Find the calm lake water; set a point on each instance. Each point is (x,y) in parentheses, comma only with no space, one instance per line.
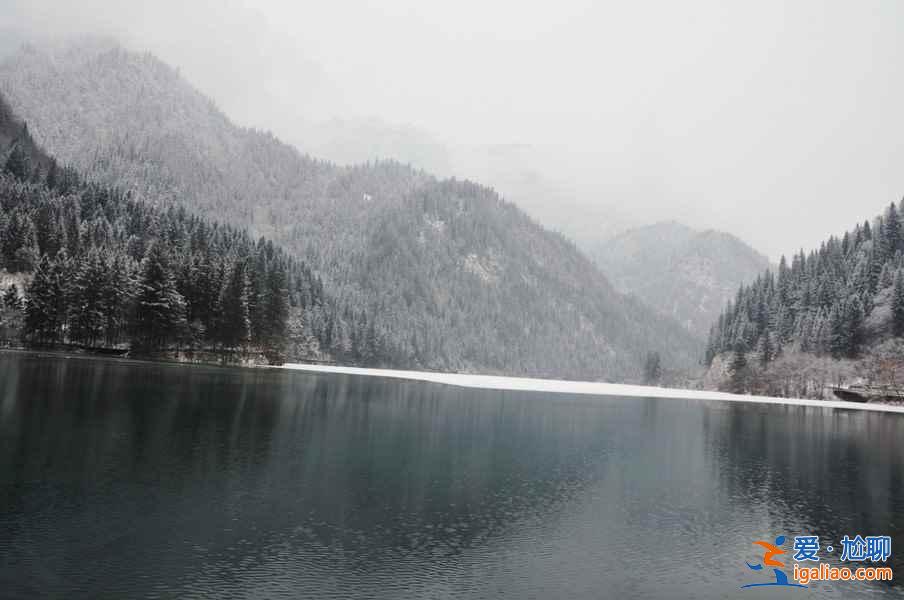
(150,481)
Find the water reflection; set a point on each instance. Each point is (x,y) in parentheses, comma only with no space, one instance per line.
(818,471)
(164,481)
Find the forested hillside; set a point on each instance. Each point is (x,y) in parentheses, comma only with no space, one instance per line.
(679,271)
(457,278)
(106,271)
(844,301)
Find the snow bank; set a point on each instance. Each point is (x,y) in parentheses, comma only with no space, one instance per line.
(491,382)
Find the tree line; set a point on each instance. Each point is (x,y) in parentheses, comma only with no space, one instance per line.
(825,302)
(108,271)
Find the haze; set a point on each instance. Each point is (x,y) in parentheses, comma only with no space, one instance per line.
(778,122)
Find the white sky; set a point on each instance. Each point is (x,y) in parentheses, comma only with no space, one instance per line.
(777,121)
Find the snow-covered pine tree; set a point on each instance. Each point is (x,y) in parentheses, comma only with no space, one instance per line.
(892,230)
(11,298)
(897,304)
(160,308)
(18,163)
(234,325)
(87,306)
(45,308)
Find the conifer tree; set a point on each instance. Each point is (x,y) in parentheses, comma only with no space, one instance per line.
(11,299)
(276,311)
(373,348)
(892,230)
(897,305)
(18,163)
(652,368)
(159,308)
(45,307)
(119,292)
(234,325)
(88,309)
(740,373)
(767,349)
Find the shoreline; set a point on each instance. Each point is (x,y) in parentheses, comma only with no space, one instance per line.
(489,382)
(591,388)
(138,359)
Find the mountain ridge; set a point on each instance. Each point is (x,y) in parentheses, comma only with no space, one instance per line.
(680,271)
(462,279)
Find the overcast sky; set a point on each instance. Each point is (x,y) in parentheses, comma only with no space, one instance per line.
(779,122)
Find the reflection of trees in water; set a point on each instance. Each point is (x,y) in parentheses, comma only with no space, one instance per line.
(403,467)
(97,418)
(837,472)
(162,469)
(116,473)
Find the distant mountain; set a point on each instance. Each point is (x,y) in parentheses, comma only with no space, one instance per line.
(458,278)
(679,271)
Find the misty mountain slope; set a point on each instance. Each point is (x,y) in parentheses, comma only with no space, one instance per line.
(679,271)
(356,141)
(459,278)
(97,268)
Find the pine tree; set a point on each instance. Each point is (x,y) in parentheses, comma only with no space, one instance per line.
(119,292)
(11,299)
(767,349)
(18,245)
(257,273)
(892,230)
(652,368)
(206,286)
(897,304)
(18,163)
(855,316)
(159,308)
(373,350)
(87,306)
(839,340)
(234,327)
(45,305)
(740,372)
(276,311)
(885,278)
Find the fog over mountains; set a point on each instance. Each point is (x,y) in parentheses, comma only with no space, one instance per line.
(684,273)
(460,278)
(522,173)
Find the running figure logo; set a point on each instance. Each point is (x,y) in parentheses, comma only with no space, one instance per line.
(771,551)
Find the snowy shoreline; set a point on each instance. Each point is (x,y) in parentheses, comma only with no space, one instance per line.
(492,382)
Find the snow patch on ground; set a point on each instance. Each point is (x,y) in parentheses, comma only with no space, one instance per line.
(483,268)
(492,382)
(20,280)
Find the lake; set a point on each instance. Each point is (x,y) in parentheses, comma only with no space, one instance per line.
(121,479)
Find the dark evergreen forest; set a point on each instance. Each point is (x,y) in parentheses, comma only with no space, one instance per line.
(105,271)
(836,301)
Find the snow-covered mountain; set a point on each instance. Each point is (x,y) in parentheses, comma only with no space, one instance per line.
(460,278)
(679,271)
